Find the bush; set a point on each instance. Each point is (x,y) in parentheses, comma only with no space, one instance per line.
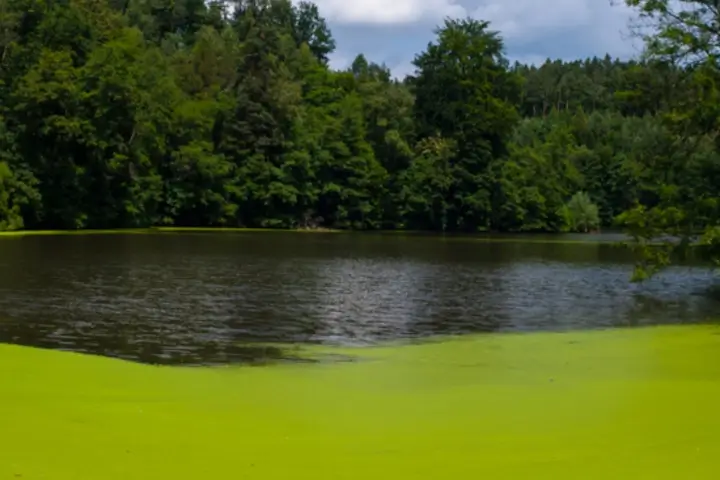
(580,214)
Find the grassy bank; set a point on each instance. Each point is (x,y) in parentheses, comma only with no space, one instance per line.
(597,405)
(20,233)
(557,238)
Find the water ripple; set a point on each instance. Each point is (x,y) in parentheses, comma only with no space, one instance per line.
(206,299)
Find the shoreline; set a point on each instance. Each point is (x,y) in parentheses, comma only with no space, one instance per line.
(151,230)
(482,237)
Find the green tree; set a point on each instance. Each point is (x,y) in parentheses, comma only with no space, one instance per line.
(118,113)
(580,214)
(465,92)
(684,34)
(426,186)
(310,28)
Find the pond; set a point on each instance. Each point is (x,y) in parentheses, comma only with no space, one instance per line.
(492,402)
(216,298)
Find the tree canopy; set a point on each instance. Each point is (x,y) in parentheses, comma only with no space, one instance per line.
(133,113)
(685,210)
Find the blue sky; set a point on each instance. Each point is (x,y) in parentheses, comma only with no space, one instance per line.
(393,31)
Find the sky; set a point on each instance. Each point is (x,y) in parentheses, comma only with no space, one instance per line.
(394,31)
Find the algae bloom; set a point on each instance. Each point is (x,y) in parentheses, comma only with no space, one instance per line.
(592,405)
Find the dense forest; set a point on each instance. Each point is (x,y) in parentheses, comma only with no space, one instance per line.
(133,113)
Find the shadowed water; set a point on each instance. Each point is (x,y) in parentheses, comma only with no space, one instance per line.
(217,298)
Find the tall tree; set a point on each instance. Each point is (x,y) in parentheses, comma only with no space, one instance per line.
(310,28)
(465,92)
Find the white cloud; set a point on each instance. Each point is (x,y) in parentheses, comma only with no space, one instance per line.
(393,31)
(402,69)
(388,12)
(526,20)
(339,61)
(564,29)
(615,37)
(519,18)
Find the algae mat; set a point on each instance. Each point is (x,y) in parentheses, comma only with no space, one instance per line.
(611,404)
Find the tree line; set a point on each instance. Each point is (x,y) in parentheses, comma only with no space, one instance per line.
(135,113)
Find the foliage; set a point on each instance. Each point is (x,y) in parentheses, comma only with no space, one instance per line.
(685,208)
(465,92)
(580,214)
(137,113)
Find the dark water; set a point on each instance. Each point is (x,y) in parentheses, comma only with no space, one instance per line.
(217,298)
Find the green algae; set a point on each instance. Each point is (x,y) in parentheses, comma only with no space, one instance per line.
(593,405)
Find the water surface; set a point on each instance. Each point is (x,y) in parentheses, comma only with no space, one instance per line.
(207,298)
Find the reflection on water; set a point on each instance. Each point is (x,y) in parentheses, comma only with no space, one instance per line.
(217,298)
